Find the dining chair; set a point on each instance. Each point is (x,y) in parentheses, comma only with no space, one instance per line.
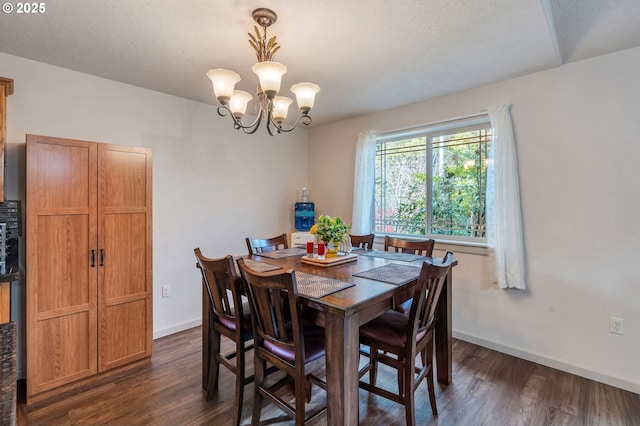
(420,247)
(364,242)
(403,245)
(285,341)
(228,317)
(260,245)
(396,340)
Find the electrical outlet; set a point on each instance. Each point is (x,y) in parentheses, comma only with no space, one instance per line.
(166,291)
(616,325)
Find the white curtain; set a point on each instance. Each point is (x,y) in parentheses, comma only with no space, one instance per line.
(364,184)
(504,218)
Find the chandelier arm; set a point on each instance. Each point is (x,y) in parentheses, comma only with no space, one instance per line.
(269,121)
(304,118)
(222,111)
(237,123)
(253,127)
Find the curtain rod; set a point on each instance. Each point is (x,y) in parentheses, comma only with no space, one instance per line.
(433,123)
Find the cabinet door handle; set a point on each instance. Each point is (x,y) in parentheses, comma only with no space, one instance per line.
(93,258)
(101,257)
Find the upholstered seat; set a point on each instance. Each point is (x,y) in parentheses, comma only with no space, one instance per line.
(231,324)
(404,307)
(314,346)
(390,327)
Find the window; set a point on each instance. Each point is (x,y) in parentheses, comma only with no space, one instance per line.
(432,181)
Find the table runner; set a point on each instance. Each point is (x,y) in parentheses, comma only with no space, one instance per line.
(316,286)
(391,255)
(260,266)
(279,254)
(392,273)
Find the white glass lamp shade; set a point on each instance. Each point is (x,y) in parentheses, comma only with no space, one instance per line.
(238,103)
(281,108)
(270,74)
(305,95)
(224,82)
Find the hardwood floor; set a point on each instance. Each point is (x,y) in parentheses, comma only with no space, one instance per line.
(489,388)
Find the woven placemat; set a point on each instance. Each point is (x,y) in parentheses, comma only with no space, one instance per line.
(260,266)
(392,273)
(391,255)
(316,287)
(279,254)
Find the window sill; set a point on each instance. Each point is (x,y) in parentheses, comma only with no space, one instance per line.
(479,249)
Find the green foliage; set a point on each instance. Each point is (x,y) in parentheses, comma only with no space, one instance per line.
(411,215)
(330,229)
(458,188)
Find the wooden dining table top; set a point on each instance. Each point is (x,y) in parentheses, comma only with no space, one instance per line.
(365,291)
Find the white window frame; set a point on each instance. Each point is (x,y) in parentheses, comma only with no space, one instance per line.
(430,131)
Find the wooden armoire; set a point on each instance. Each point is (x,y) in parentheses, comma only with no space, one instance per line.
(88,262)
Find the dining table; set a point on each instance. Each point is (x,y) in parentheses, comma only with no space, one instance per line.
(372,283)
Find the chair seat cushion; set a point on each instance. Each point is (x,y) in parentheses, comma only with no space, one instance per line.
(389,328)
(231,324)
(404,307)
(314,344)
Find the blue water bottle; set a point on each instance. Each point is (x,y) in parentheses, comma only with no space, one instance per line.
(304,213)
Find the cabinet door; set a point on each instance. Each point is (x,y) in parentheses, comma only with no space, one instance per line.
(61,284)
(124,239)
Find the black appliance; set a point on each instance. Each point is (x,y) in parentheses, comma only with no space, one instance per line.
(10,230)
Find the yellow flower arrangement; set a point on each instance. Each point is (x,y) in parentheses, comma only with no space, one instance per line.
(330,229)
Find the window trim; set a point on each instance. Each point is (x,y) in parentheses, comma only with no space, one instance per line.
(429,131)
(436,126)
(443,244)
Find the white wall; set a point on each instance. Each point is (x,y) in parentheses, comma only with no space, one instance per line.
(577,130)
(212,186)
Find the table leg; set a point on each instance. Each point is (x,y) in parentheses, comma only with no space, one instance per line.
(443,333)
(342,370)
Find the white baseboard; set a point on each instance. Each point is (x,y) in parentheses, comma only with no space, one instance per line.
(558,364)
(177,328)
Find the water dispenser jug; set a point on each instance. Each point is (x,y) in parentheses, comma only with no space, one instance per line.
(304,213)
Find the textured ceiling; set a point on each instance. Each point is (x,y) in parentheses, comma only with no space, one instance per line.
(366,55)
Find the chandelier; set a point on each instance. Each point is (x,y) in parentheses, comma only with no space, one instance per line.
(271,108)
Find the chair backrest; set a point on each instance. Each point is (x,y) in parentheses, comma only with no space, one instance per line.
(421,247)
(426,295)
(218,276)
(273,299)
(362,241)
(260,245)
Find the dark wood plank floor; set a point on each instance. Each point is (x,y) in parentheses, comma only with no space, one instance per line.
(489,388)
